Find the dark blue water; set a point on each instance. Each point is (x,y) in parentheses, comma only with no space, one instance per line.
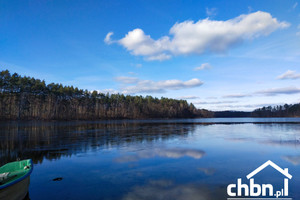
(152,159)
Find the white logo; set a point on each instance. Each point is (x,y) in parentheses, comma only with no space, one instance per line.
(236,191)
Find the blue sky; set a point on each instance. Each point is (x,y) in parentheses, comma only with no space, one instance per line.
(219,55)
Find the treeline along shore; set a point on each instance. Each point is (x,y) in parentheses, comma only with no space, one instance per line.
(27,98)
(285,110)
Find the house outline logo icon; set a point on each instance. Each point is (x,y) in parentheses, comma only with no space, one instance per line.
(244,191)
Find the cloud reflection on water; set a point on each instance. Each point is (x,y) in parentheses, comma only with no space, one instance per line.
(167,189)
(54,140)
(162,152)
(207,171)
(295,160)
(271,142)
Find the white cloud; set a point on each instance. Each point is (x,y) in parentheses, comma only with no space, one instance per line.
(211,97)
(250,9)
(214,102)
(132,73)
(202,67)
(107,38)
(210,12)
(250,105)
(289,74)
(160,57)
(266,92)
(148,86)
(236,96)
(188,97)
(298,33)
(140,44)
(110,91)
(199,37)
(276,91)
(295,5)
(241,107)
(138,65)
(126,79)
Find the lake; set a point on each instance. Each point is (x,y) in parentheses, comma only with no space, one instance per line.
(183,159)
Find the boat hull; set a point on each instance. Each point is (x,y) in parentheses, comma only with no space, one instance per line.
(16,191)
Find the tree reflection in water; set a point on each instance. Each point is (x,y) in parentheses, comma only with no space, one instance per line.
(52,140)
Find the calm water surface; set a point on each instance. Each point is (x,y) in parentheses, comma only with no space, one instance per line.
(152,159)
